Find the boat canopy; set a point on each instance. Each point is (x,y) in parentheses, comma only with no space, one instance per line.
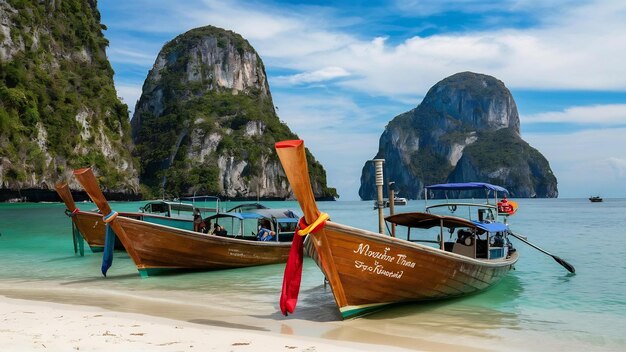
(491,226)
(240,216)
(276,213)
(247,207)
(466,186)
(281,215)
(199,198)
(427,220)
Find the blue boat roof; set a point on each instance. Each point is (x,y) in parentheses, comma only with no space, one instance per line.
(467,186)
(491,227)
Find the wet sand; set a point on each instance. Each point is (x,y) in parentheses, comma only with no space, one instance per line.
(53,317)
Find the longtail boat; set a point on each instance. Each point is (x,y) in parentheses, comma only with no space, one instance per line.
(156,248)
(86,225)
(368,271)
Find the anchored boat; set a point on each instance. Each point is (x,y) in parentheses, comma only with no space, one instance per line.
(368,271)
(156,248)
(88,225)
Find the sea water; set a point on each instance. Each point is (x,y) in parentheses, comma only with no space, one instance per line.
(538,306)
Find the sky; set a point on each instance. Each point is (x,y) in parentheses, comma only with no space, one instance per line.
(339,71)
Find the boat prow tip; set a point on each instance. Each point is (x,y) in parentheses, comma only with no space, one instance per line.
(289,144)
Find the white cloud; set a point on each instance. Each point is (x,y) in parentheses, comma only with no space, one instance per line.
(618,165)
(121,53)
(324,74)
(340,134)
(606,115)
(588,161)
(574,47)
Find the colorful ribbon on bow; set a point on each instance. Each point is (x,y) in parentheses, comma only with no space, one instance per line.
(293,270)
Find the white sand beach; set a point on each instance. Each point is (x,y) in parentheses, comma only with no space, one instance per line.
(43,326)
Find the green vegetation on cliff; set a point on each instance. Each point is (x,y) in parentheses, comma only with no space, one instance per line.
(193,85)
(58,69)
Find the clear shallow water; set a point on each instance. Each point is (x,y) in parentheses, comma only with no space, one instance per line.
(539,306)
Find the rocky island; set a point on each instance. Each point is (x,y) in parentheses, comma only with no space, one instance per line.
(467,128)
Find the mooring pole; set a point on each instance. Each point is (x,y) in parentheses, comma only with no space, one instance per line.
(392,200)
(378,164)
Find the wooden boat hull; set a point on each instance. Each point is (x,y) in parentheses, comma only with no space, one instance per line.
(368,271)
(157,248)
(93,229)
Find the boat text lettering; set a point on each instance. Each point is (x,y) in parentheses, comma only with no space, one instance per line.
(365,250)
(378,269)
(403,261)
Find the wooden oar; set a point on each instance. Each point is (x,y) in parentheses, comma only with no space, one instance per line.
(565,264)
(293,158)
(66,196)
(90,184)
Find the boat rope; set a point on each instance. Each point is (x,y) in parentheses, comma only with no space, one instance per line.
(317,225)
(71,213)
(112,215)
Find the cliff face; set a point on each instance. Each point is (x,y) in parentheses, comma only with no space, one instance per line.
(466,129)
(58,106)
(206,123)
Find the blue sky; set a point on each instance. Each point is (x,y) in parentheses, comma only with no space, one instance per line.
(340,71)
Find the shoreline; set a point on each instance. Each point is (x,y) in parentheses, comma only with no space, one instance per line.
(61,319)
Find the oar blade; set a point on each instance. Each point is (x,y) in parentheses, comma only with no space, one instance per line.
(565,264)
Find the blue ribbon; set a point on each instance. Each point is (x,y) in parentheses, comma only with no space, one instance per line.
(78,240)
(109,245)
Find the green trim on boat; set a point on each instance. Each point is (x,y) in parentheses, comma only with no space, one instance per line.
(355,311)
(146,272)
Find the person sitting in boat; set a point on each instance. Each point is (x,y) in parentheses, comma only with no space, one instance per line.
(197,220)
(265,234)
(206,227)
(218,230)
(465,237)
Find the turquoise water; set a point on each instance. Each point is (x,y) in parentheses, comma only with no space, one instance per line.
(539,306)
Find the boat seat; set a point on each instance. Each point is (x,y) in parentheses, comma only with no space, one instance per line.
(462,249)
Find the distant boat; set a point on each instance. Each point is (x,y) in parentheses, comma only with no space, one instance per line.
(595,199)
(396,202)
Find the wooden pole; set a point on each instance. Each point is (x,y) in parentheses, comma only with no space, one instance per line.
(392,200)
(378,164)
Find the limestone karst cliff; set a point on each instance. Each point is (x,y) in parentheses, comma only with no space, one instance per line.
(467,128)
(58,106)
(206,123)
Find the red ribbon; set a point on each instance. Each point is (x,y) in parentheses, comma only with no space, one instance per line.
(293,270)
